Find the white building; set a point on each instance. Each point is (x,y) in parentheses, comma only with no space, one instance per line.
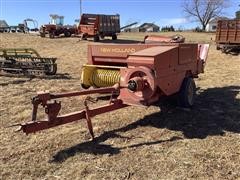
(212,25)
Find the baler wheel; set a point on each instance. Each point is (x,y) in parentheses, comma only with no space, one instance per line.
(187,93)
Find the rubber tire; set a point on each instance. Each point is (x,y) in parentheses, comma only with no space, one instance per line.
(51,35)
(67,34)
(187,93)
(42,34)
(85,86)
(102,37)
(52,69)
(114,37)
(96,38)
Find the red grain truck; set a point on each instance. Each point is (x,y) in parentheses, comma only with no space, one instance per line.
(228,35)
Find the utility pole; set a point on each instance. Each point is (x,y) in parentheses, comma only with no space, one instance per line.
(80,8)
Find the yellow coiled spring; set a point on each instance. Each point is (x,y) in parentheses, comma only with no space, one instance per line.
(105,77)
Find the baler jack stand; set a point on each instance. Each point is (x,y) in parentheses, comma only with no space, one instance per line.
(52,109)
(88,118)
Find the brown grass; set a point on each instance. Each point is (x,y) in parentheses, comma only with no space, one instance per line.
(134,142)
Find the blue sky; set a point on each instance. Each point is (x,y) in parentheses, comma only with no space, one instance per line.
(162,12)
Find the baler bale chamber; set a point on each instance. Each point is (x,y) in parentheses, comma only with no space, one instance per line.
(163,67)
(133,74)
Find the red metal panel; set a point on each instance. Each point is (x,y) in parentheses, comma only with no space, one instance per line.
(187,53)
(171,84)
(113,53)
(148,57)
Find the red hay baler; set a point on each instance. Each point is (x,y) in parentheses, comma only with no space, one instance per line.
(139,74)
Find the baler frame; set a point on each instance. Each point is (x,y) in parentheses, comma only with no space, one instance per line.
(52,108)
(148,72)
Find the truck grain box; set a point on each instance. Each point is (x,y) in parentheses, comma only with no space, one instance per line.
(98,26)
(228,35)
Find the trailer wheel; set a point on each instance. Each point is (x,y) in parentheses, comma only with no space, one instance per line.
(187,93)
(96,38)
(114,37)
(102,36)
(84,36)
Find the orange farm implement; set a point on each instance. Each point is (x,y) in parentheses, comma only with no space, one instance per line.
(133,74)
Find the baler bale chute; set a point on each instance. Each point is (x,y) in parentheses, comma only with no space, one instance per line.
(133,74)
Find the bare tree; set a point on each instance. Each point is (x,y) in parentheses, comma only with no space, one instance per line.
(204,10)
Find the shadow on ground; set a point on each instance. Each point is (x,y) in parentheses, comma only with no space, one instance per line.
(56,76)
(216,110)
(118,41)
(31,77)
(106,40)
(20,81)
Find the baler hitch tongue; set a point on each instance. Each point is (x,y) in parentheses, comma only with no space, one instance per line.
(52,109)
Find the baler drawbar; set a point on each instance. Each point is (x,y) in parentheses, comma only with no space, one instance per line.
(133,74)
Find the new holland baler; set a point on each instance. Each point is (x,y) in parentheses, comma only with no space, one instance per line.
(133,74)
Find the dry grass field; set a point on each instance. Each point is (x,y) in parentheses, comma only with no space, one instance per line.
(131,143)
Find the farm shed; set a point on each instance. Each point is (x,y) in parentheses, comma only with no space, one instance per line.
(3,25)
(149,27)
(145,27)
